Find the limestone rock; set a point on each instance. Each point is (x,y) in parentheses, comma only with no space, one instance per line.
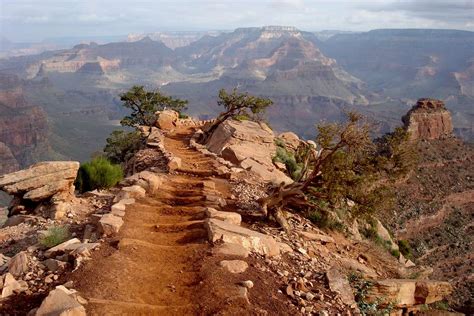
(174,163)
(134,191)
(272,175)
(41,181)
(354,265)
(229,249)
(407,292)
(249,145)
(317,237)
(234,266)
(12,286)
(167,119)
(249,239)
(61,247)
(383,233)
(230,217)
(110,224)
(428,291)
(428,119)
(339,283)
(18,265)
(290,139)
(60,303)
(54,265)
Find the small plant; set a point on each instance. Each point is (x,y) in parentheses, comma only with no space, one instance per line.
(361,289)
(99,173)
(441,305)
(405,249)
(395,253)
(324,221)
(54,236)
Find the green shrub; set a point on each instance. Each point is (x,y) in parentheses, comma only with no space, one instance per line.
(405,248)
(395,253)
(54,236)
(292,166)
(322,220)
(122,145)
(99,173)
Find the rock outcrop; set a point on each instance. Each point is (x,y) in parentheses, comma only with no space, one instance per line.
(249,145)
(428,119)
(43,184)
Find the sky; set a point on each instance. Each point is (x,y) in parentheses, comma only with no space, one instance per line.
(35,20)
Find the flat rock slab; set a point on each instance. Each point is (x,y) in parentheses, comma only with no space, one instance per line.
(249,239)
(317,237)
(61,247)
(230,217)
(41,180)
(234,266)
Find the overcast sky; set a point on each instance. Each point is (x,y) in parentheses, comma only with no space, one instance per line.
(34,20)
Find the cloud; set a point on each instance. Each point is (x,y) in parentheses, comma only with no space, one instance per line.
(287,4)
(455,12)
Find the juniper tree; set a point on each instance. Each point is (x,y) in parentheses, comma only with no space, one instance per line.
(237,104)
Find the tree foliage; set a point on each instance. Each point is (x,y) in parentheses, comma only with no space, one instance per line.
(347,167)
(236,104)
(144,104)
(122,145)
(99,173)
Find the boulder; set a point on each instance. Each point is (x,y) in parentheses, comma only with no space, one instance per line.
(272,175)
(41,181)
(110,224)
(383,233)
(54,265)
(428,291)
(18,265)
(407,292)
(60,303)
(428,119)
(339,283)
(61,247)
(229,249)
(290,139)
(167,119)
(234,266)
(174,163)
(12,286)
(251,240)
(231,217)
(134,191)
(355,265)
(249,145)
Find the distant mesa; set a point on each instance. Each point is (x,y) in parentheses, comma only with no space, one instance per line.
(429,119)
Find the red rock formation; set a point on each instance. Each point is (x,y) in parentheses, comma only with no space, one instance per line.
(23,127)
(429,119)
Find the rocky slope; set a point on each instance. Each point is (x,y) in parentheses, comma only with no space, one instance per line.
(435,203)
(194,217)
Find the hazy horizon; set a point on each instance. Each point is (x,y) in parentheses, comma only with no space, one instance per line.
(30,21)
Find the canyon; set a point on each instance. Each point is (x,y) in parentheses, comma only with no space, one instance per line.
(311,77)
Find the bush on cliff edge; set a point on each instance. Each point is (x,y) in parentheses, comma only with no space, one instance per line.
(98,173)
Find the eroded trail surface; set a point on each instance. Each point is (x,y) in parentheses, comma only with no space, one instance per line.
(153,267)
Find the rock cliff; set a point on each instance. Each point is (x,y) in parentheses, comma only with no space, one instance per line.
(23,127)
(429,119)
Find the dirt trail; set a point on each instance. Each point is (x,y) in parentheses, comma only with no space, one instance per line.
(154,268)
